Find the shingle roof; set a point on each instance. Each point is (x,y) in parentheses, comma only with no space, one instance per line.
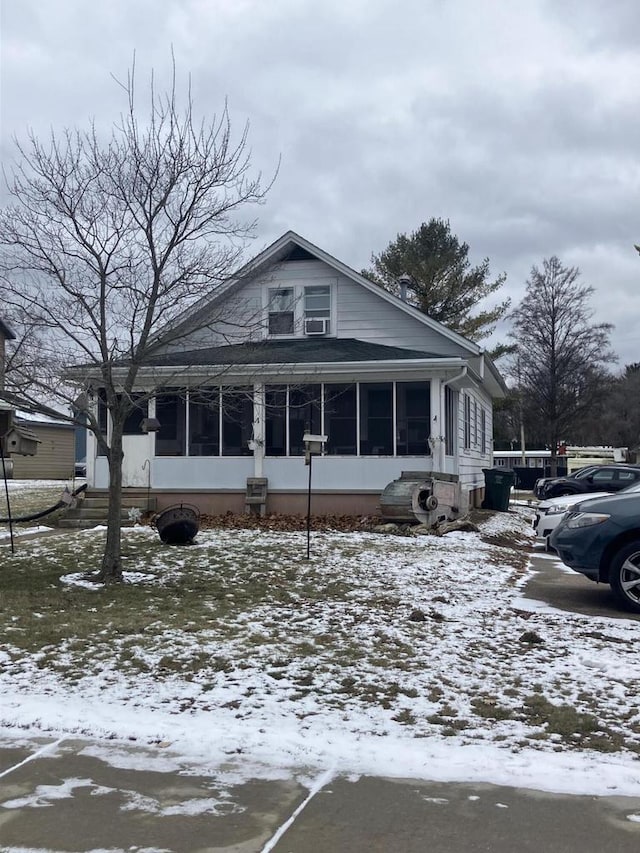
(299,351)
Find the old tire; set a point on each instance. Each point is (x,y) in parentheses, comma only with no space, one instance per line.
(624,576)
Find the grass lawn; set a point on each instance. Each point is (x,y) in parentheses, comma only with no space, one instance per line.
(413,636)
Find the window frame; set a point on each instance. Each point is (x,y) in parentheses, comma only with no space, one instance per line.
(289,310)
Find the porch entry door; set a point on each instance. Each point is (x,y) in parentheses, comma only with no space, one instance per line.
(136,464)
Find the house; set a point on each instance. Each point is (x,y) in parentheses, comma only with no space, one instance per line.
(50,443)
(55,455)
(317,348)
(6,410)
(5,335)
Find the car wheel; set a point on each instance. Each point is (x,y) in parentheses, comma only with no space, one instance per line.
(624,575)
(561,493)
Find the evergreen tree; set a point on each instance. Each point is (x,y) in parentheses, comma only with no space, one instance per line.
(440,279)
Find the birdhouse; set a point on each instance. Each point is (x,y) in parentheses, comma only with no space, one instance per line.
(21,441)
(150,425)
(313,445)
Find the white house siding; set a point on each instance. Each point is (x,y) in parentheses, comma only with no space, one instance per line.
(341,473)
(356,313)
(472,460)
(238,321)
(368,317)
(244,317)
(202,473)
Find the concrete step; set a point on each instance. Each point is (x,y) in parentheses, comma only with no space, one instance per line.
(92,509)
(92,512)
(85,523)
(96,501)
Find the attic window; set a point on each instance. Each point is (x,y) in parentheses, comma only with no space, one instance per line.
(281,311)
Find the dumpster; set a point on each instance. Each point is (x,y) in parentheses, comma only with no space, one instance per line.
(526,477)
(497,488)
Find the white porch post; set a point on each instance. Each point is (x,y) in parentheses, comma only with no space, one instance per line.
(92,448)
(437,425)
(259,432)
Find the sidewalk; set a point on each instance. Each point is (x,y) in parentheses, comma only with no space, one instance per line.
(78,796)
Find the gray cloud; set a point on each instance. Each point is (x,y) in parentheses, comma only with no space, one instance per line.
(517,122)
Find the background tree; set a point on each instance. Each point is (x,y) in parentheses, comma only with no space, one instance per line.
(105,243)
(558,364)
(443,284)
(616,421)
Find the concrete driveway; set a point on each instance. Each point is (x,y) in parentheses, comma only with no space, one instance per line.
(63,796)
(560,587)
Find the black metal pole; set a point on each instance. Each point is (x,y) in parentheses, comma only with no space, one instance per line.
(309,509)
(6,490)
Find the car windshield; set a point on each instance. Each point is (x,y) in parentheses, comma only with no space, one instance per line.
(583,472)
(634,487)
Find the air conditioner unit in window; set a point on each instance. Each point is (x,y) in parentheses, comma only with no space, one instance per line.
(316,325)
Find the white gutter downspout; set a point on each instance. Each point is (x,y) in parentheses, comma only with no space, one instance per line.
(443,421)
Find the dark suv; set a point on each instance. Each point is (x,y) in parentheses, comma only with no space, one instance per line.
(600,538)
(593,478)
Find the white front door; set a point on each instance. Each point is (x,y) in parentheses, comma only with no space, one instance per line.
(136,465)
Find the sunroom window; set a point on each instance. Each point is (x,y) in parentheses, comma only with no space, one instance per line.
(413,426)
(171,412)
(376,419)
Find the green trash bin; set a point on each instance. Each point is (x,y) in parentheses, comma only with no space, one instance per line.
(497,488)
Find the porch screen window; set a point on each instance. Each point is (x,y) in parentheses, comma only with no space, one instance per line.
(171,412)
(204,422)
(281,311)
(275,399)
(340,419)
(413,418)
(237,422)
(451,420)
(376,419)
(317,303)
(133,421)
(305,414)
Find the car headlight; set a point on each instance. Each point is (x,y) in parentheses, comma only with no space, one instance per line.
(558,509)
(585,519)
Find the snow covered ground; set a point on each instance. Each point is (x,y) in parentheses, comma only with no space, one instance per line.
(385,655)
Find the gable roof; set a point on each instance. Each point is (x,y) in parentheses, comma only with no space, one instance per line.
(292,243)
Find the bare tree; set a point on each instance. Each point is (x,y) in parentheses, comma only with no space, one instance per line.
(560,352)
(617,421)
(108,242)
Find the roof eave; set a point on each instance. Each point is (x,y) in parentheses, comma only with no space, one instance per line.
(228,373)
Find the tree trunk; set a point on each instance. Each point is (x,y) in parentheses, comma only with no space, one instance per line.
(111,570)
(554,460)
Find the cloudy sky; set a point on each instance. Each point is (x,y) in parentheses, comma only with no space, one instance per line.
(517,121)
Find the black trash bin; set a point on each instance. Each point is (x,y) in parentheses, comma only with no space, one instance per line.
(526,477)
(497,488)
